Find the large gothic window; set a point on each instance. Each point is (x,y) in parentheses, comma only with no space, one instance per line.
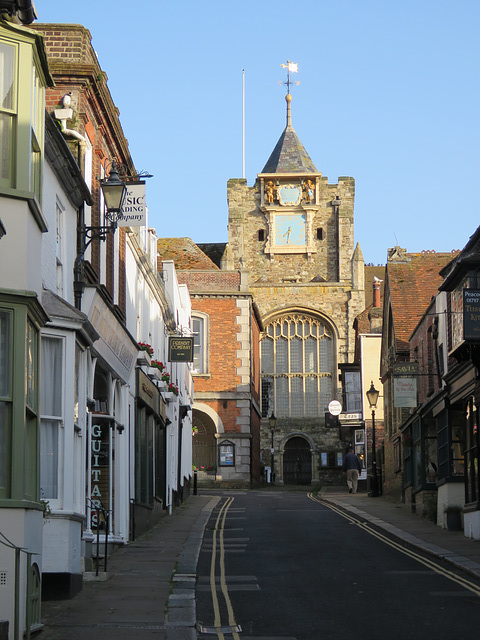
(296,367)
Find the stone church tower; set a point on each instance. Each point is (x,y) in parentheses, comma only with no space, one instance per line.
(292,233)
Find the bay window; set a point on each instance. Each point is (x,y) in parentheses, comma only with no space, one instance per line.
(51,415)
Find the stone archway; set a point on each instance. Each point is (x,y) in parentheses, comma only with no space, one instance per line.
(297,461)
(204,441)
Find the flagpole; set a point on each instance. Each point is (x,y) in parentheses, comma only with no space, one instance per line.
(243,127)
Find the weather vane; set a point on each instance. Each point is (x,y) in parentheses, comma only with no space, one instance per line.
(291,67)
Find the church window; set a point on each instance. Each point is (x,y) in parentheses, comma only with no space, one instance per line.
(319,234)
(261,235)
(297,367)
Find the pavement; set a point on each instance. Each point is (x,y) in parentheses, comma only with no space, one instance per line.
(149,590)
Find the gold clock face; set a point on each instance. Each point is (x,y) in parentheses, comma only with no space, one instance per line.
(290,230)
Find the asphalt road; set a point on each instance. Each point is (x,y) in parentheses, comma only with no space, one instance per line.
(280,565)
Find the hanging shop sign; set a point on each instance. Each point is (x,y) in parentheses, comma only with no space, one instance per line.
(133,209)
(471,315)
(180,349)
(404,392)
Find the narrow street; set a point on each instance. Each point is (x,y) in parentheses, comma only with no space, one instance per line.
(285,566)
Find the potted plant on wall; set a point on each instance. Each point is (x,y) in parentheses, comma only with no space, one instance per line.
(145,353)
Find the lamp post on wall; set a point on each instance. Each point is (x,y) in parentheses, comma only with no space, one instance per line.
(114,191)
(272,421)
(372,395)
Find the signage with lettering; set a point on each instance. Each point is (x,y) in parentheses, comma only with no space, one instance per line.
(133,209)
(100,487)
(226,454)
(471,314)
(408,369)
(404,392)
(180,349)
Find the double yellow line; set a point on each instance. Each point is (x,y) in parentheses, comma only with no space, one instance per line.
(431,564)
(219,532)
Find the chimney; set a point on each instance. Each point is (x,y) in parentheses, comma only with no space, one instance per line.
(376,292)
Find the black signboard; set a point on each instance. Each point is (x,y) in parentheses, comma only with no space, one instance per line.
(471,315)
(180,349)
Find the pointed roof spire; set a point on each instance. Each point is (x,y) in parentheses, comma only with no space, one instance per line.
(289,155)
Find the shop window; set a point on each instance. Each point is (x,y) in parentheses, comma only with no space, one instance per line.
(471,452)
(297,365)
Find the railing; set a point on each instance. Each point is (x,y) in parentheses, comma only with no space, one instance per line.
(99,509)
(16,622)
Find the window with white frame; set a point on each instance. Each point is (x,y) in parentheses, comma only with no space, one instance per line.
(51,414)
(297,366)
(200,335)
(60,246)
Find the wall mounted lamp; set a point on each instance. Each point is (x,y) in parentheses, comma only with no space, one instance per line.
(114,191)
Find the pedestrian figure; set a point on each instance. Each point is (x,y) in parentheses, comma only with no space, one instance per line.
(352,467)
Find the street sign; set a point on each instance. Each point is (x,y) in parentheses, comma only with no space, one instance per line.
(335,408)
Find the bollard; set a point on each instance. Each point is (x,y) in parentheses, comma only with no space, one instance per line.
(195,482)
(3,629)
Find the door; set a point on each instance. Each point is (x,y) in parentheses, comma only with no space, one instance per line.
(297,461)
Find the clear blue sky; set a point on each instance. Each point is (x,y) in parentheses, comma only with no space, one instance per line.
(389,95)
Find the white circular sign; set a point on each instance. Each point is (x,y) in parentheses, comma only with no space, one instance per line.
(335,408)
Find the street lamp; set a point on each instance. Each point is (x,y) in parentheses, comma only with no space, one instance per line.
(272,421)
(114,192)
(372,395)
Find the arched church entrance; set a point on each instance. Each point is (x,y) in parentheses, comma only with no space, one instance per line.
(204,441)
(297,461)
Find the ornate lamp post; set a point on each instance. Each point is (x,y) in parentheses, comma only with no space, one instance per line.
(114,192)
(372,395)
(272,421)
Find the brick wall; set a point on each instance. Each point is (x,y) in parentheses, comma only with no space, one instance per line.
(222,344)
(210,280)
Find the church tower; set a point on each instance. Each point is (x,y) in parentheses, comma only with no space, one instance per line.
(293,234)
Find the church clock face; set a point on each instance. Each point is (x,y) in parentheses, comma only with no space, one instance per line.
(290,230)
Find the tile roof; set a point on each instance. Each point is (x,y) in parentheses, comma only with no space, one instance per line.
(214,250)
(184,252)
(412,284)
(289,155)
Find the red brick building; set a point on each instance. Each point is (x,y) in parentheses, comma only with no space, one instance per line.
(226,328)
